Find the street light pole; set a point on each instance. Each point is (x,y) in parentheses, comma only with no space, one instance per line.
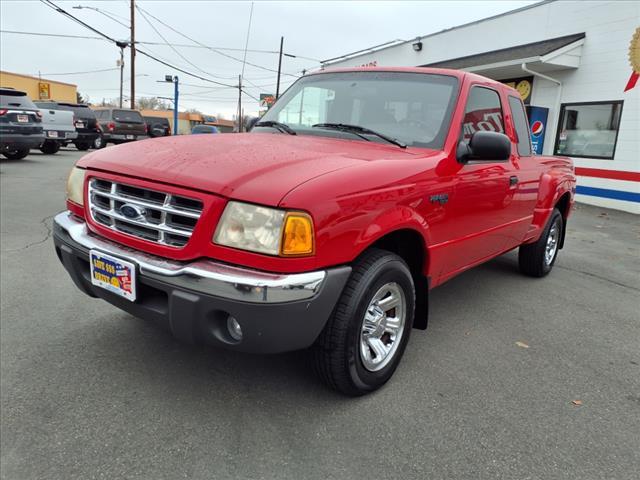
(133,56)
(122,46)
(175,105)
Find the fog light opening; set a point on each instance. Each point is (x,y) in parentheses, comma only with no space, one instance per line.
(234,328)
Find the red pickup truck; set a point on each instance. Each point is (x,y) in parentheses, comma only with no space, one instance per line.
(326,226)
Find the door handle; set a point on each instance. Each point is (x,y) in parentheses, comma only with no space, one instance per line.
(513,180)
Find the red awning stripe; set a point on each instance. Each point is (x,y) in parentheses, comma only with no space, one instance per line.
(611,174)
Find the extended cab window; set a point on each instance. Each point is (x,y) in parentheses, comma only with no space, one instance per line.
(522,126)
(483,112)
(414,108)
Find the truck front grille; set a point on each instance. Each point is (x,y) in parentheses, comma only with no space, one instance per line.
(155,216)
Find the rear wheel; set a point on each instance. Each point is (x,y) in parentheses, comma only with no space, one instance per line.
(364,340)
(16,154)
(50,147)
(537,259)
(82,146)
(98,143)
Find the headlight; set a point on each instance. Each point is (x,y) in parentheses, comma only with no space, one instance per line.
(265,230)
(75,185)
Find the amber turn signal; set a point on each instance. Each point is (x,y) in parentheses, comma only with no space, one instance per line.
(297,235)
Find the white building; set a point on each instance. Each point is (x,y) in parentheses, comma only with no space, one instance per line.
(571,58)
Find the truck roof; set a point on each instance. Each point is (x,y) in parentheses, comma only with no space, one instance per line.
(459,74)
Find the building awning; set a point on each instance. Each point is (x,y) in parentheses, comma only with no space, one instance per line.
(559,53)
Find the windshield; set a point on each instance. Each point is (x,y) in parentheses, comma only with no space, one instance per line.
(127,116)
(414,108)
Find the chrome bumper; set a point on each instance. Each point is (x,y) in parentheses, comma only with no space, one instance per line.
(205,276)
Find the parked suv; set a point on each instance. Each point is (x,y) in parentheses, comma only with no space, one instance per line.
(20,124)
(120,125)
(58,125)
(158,126)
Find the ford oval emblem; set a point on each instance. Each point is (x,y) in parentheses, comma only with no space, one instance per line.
(132,211)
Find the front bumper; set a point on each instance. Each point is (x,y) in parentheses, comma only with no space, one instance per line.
(277,312)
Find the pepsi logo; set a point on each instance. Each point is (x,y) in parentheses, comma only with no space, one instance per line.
(537,128)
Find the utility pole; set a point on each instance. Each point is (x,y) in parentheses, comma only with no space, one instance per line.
(279,68)
(133,55)
(239,103)
(122,46)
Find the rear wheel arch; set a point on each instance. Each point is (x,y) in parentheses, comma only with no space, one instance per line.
(563,205)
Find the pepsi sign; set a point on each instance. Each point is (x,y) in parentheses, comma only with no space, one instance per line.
(537,125)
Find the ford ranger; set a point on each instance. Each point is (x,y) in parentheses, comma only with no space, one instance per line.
(327,225)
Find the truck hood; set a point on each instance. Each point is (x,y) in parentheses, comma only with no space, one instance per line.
(257,167)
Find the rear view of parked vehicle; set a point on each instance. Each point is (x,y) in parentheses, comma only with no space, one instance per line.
(158,126)
(198,129)
(58,127)
(87,126)
(119,126)
(20,124)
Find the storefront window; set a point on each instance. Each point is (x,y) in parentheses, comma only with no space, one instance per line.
(588,129)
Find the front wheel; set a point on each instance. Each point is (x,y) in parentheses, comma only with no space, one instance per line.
(82,146)
(364,340)
(537,259)
(16,154)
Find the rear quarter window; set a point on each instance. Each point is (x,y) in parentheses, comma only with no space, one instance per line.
(522,126)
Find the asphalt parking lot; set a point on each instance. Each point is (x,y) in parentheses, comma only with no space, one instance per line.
(515,378)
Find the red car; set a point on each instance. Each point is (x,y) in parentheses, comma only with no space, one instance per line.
(326,226)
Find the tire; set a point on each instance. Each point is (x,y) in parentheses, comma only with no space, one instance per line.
(537,259)
(50,147)
(98,143)
(17,154)
(82,146)
(341,355)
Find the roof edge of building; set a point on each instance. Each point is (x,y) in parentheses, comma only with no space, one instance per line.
(38,78)
(357,53)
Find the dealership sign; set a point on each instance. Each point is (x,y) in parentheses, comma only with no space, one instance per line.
(267,99)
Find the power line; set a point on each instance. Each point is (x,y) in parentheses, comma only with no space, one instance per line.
(171,46)
(141,42)
(78,73)
(211,48)
(53,6)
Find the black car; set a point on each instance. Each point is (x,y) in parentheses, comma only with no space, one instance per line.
(158,126)
(120,125)
(87,126)
(198,129)
(20,124)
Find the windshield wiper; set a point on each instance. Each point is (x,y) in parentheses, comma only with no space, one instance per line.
(357,129)
(283,127)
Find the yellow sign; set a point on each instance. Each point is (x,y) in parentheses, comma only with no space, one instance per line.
(44,91)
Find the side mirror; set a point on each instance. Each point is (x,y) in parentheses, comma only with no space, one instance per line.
(251,123)
(485,146)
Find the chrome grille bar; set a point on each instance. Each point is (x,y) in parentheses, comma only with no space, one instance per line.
(161,217)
